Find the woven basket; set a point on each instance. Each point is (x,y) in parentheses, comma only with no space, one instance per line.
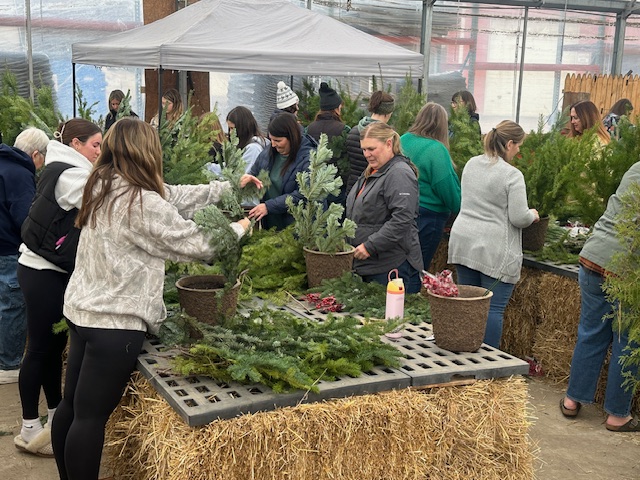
(534,235)
(203,297)
(321,266)
(459,322)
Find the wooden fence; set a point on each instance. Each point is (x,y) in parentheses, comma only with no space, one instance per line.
(603,90)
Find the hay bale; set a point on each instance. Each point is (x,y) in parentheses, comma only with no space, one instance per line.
(477,431)
(439,260)
(522,315)
(556,334)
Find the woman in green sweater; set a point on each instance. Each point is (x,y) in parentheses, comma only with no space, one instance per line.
(426,144)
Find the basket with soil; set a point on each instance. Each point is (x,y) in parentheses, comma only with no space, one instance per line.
(534,236)
(206,298)
(459,313)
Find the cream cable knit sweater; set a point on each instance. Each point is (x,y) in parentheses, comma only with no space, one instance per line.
(119,275)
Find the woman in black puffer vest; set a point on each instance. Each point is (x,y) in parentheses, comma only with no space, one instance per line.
(381,106)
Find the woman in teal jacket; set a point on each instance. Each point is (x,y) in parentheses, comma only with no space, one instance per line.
(426,144)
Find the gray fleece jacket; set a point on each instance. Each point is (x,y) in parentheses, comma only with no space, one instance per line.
(487,234)
(385,213)
(603,243)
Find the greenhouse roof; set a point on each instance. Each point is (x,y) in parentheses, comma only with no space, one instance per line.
(626,7)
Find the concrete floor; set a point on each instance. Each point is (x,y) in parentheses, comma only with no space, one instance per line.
(576,449)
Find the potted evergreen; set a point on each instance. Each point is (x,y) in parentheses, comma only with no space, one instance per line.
(542,160)
(321,231)
(210,297)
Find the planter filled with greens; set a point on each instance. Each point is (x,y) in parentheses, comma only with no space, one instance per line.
(321,231)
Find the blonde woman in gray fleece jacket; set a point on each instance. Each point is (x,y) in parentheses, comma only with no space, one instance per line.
(486,237)
(131,223)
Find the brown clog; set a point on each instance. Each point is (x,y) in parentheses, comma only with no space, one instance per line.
(569,412)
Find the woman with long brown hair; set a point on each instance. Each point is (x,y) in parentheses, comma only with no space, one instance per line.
(131,223)
(288,155)
(585,116)
(426,144)
(47,259)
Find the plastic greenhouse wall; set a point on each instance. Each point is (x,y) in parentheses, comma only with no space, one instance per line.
(473,45)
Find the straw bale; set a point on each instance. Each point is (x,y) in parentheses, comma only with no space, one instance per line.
(522,315)
(439,260)
(556,335)
(477,431)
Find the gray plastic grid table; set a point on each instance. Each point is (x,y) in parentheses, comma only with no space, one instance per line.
(200,400)
(562,269)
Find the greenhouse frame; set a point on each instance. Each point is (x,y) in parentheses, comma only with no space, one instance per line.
(501,50)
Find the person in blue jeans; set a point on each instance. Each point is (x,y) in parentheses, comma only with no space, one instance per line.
(486,238)
(426,144)
(18,166)
(596,329)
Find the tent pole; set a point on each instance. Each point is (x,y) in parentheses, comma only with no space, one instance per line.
(160,72)
(521,76)
(30,51)
(73,80)
(425,43)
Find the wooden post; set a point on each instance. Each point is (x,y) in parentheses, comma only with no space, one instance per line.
(198,81)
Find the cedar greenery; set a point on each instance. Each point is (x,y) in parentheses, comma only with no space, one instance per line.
(465,141)
(17,112)
(319,228)
(185,147)
(278,349)
(408,103)
(275,265)
(369,299)
(624,287)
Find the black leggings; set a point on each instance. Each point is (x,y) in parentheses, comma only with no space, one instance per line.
(42,364)
(99,365)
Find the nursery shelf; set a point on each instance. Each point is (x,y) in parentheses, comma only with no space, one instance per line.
(200,400)
(565,270)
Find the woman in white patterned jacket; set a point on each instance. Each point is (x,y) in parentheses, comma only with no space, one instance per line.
(131,223)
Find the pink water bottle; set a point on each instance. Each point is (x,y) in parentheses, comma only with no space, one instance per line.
(395,297)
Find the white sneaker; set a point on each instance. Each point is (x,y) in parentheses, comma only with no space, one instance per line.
(9,376)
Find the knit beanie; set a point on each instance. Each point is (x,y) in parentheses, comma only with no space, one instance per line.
(329,98)
(386,108)
(285,96)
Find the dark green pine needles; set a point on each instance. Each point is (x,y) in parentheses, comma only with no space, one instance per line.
(279,349)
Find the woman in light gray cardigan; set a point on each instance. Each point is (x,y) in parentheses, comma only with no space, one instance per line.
(486,238)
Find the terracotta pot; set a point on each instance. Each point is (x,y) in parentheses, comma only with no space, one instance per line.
(459,322)
(203,297)
(321,265)
(534,235)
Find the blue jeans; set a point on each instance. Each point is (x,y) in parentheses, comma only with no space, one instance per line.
(410,277)
(501,295)
(430,228)
(595,334)
(13,317)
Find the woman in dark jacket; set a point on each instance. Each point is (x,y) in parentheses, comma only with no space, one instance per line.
(288,155)
(384,205)
(329,122)
(381,106)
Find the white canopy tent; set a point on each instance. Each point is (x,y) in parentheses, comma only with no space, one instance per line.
(251,36)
